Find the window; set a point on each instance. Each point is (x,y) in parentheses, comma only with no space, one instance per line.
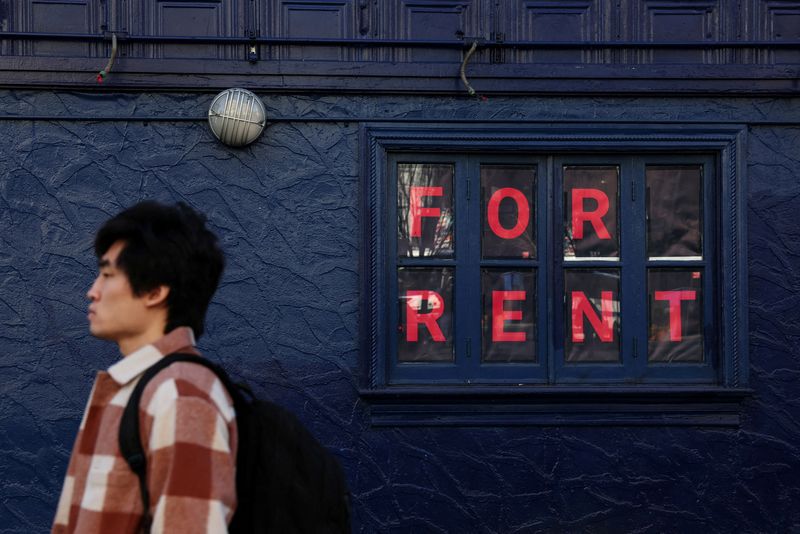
(526,268)
(552,269)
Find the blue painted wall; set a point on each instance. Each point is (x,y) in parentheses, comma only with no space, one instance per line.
(286,315)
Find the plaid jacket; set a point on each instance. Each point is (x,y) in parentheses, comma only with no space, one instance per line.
(188,429)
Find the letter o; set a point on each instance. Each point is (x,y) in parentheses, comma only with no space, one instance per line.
(523,212)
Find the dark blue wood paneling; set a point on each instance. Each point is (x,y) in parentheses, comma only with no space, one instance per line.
(682,20)
(205,19)
(553,21)
(56,16)
(212,18)
(442,20)
(520,41)
(181,18)
(330,19)
(777,20)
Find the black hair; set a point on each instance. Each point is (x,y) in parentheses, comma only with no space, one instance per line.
(171,246)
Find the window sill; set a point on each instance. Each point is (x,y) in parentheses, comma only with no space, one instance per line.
(555,406)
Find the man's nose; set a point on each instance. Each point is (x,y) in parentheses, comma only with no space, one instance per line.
(93,293)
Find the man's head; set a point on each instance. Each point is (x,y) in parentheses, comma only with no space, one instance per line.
(157,263)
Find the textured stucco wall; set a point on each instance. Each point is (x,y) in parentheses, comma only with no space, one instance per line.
(285,317)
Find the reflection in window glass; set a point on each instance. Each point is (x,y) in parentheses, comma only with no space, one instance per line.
(676,326)
(425,330)
(425,209)
(673,211)
(508,227)
(592,315)
(590,212)
(509,316)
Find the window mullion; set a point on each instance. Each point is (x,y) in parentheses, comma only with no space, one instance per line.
(556,248)
(634,277)
(548,266)
(468,307)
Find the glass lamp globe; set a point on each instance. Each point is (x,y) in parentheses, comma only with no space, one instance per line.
(237,117)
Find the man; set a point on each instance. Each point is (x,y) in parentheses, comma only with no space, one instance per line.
(159,267)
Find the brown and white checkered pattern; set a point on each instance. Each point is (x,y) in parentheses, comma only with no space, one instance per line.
(188,427)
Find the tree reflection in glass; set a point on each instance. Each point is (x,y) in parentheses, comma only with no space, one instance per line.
(425,213)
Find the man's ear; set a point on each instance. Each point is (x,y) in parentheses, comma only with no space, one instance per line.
(156,296)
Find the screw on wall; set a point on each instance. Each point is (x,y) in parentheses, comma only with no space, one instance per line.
(252,49)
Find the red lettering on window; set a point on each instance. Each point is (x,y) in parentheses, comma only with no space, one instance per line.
(414,301)
(500,315)
(523,212)
(675,298)
(582,307)
(580,215)
(417,211)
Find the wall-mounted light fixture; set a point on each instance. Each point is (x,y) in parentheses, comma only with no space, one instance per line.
(237,117)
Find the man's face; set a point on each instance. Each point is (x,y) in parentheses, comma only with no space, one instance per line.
(115,313)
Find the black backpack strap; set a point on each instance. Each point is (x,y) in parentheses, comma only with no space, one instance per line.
(130,442)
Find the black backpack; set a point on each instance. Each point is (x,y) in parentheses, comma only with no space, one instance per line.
(286,481)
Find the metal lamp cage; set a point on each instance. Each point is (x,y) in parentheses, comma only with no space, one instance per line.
(237,117)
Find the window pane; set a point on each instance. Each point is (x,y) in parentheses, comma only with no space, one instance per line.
(425,332)
(425,209)
(509,315)
(590,212)
(674,220)
(507,197)
(676,312)
(592,315)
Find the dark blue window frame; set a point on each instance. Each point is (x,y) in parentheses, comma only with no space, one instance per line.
(467,366)
(428,394)
(633,264)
